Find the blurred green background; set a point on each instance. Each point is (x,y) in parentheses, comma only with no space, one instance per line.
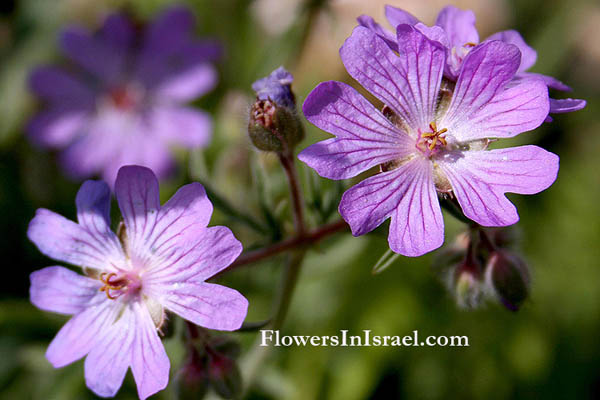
(549,349)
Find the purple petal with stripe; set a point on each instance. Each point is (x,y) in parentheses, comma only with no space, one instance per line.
(397,16)
(109,359)
(479,180)
(207,304)
(136,189)
(551,82)
(389,37)
(483,76)
(197,254)
(408,195)
(364,137)
(559,106)
(514,110)
(528,54)
(64,240)
(83,332)
(181,222)
(407,83)
(459,26)
(149,362)
(61,290)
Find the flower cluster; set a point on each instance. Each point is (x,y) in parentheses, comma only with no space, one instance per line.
(431,137)
(123,102)
(159,260)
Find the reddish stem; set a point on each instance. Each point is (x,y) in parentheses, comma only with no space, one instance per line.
(304,239)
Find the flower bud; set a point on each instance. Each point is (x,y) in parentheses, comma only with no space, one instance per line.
(508,275)
(468,288)
(274,124)
(192,380)
(276,87)
(225,376)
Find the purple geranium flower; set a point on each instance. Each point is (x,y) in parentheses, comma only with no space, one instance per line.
(124,100)
(430,138)
(276,87)
(159,260)
(455,30)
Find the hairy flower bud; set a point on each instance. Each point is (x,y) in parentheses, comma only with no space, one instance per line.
(508,275)
(274,124)
(468,288)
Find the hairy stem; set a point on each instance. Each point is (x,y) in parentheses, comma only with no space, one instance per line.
(287,161)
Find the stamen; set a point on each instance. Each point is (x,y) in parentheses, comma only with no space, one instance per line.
(470,44)
(429,141)
(109,284)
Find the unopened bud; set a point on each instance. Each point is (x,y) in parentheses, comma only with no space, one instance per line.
(225,376)
(192,380)
(468,287)
(274,124)
(508,275)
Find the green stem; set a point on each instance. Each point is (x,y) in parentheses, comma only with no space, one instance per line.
(289,283)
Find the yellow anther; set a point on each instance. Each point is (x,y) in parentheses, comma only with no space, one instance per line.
(108,285)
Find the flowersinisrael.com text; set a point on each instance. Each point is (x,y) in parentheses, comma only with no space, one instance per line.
(344,339)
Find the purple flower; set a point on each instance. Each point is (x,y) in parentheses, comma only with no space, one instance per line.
(123,102)
(159,260)
(276,87)
(455,30)
(431,136)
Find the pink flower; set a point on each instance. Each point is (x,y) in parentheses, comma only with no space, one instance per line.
(159,260)
(431,137)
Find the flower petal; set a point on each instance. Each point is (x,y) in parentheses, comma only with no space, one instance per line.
(483,76)
(197,254)
(92,53)
(528,54)
(149,364)
(56,85)
(397,16)
(93,213)
(118,31)
(181,222)
(365,137)
(64,240)
(82,332)
(459,25)
(517,109)
(406,193)
(188,85)
(184,126)
(137,192)
(369,23)
(207,304)
(57,127)
(60,290)
(551,82)
(108,360)
(407,83)
(559,106)
(479,180)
